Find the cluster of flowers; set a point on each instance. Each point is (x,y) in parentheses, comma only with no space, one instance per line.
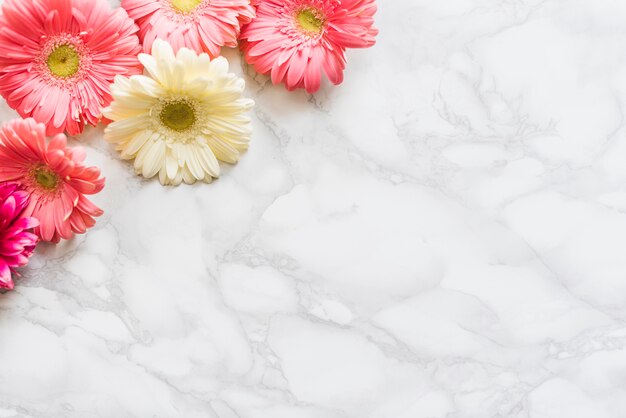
(151,70)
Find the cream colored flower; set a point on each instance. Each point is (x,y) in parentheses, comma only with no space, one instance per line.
(180,118)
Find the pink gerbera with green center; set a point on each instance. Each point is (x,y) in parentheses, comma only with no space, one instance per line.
(59,57)
(17,243)
(296,40)
(54,176)
(200,25)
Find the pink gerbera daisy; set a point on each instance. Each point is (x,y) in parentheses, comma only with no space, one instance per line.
(16,242)
(58,58)
(54,176)
(201,25)
(295,40)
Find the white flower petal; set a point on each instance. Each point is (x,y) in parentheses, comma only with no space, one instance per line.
(135,144)
(219,66)
(171,165)
(153,160)
(150,65)
(162,50)
(222,149)
(208,161)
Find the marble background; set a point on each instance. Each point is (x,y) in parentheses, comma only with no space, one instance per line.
(441,236)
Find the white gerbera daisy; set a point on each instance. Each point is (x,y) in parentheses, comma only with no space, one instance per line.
(180,118)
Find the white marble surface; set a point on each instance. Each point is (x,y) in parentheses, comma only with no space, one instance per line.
(442,236)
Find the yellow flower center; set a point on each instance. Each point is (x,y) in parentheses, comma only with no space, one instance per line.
(45,177)
(185,6)
(310,20)
(178,115)
(64,61)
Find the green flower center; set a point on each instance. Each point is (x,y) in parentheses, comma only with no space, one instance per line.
(45,177)
(64,61)
(310,20)
(185,6)
(178,115)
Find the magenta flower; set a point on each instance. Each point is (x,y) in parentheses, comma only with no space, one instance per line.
(16,242)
